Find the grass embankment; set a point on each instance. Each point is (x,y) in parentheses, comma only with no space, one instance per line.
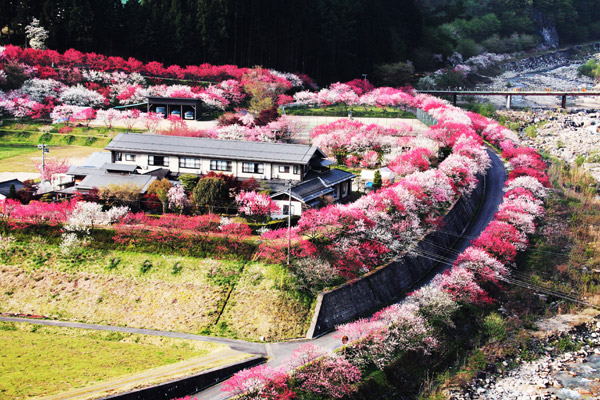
(144,290)
(42,360)
(339,110)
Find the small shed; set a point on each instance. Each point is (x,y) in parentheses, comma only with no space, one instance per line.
(186,108)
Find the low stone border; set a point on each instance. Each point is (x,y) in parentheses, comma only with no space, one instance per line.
(190,384)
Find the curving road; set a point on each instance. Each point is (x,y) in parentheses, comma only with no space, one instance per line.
(279,352)
(493,193)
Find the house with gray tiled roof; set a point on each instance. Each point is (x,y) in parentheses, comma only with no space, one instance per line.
(135,156)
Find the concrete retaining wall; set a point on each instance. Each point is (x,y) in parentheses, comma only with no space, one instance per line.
(389,282)
(191,384)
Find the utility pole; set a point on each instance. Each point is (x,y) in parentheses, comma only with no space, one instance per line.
(289,233)
(45,149)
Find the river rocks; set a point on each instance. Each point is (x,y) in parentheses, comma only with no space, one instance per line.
(555,375)
(571,136)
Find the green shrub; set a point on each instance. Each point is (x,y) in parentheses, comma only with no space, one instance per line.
(177,267)
(146,266)
(113,263)
(494,326)
(531,131)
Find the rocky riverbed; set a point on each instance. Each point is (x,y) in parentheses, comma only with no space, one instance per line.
(568,367)
(571,135)
(556,71)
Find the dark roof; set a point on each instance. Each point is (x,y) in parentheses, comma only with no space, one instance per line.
(333,176)
(322,162)
(214,148)
(186,101)
(317,185)
(102,180)
(97,159)
(5,186)
(78,171)
(119,167)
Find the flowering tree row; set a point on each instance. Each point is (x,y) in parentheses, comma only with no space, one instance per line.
(353,239)
(353,94)
(376,341)
(46,60)
(92,80)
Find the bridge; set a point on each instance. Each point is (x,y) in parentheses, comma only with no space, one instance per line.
(515,92)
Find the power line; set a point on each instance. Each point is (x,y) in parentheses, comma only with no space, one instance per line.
(516,282)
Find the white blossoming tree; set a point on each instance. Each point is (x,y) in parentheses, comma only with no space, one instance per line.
(36,34)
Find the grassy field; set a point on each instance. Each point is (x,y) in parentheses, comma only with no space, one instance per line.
(176,293)
(22,157)
(340,110)
(43,360)
(13,150)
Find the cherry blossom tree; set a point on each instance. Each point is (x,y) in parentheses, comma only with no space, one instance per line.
(255,205)
(177,198)
(51,167)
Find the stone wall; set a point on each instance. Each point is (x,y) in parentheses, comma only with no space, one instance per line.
(188,385)
(389,282)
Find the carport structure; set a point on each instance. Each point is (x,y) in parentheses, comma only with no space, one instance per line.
(180,104)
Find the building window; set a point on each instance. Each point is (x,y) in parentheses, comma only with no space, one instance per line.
(253,168)
(296,169)
(284,169)
(287,208)
(220,165)
(118,156)
(189,162)
(129,157)
(158,160)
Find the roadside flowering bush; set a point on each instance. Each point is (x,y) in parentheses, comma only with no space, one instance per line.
(482,264)
(261,382)
(393,330)
(462,285)
(330,376)
(255,205)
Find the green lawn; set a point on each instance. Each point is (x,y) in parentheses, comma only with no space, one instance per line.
(22,157)
(340,110)
(38,360)
(13,150)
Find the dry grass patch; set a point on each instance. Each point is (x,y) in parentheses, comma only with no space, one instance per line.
(265,296)
(176,293)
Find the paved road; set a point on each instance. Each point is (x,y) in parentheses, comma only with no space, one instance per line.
(494,184)
(279,352)
(238,345)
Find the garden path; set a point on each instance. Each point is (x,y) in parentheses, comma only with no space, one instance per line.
(279,352)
